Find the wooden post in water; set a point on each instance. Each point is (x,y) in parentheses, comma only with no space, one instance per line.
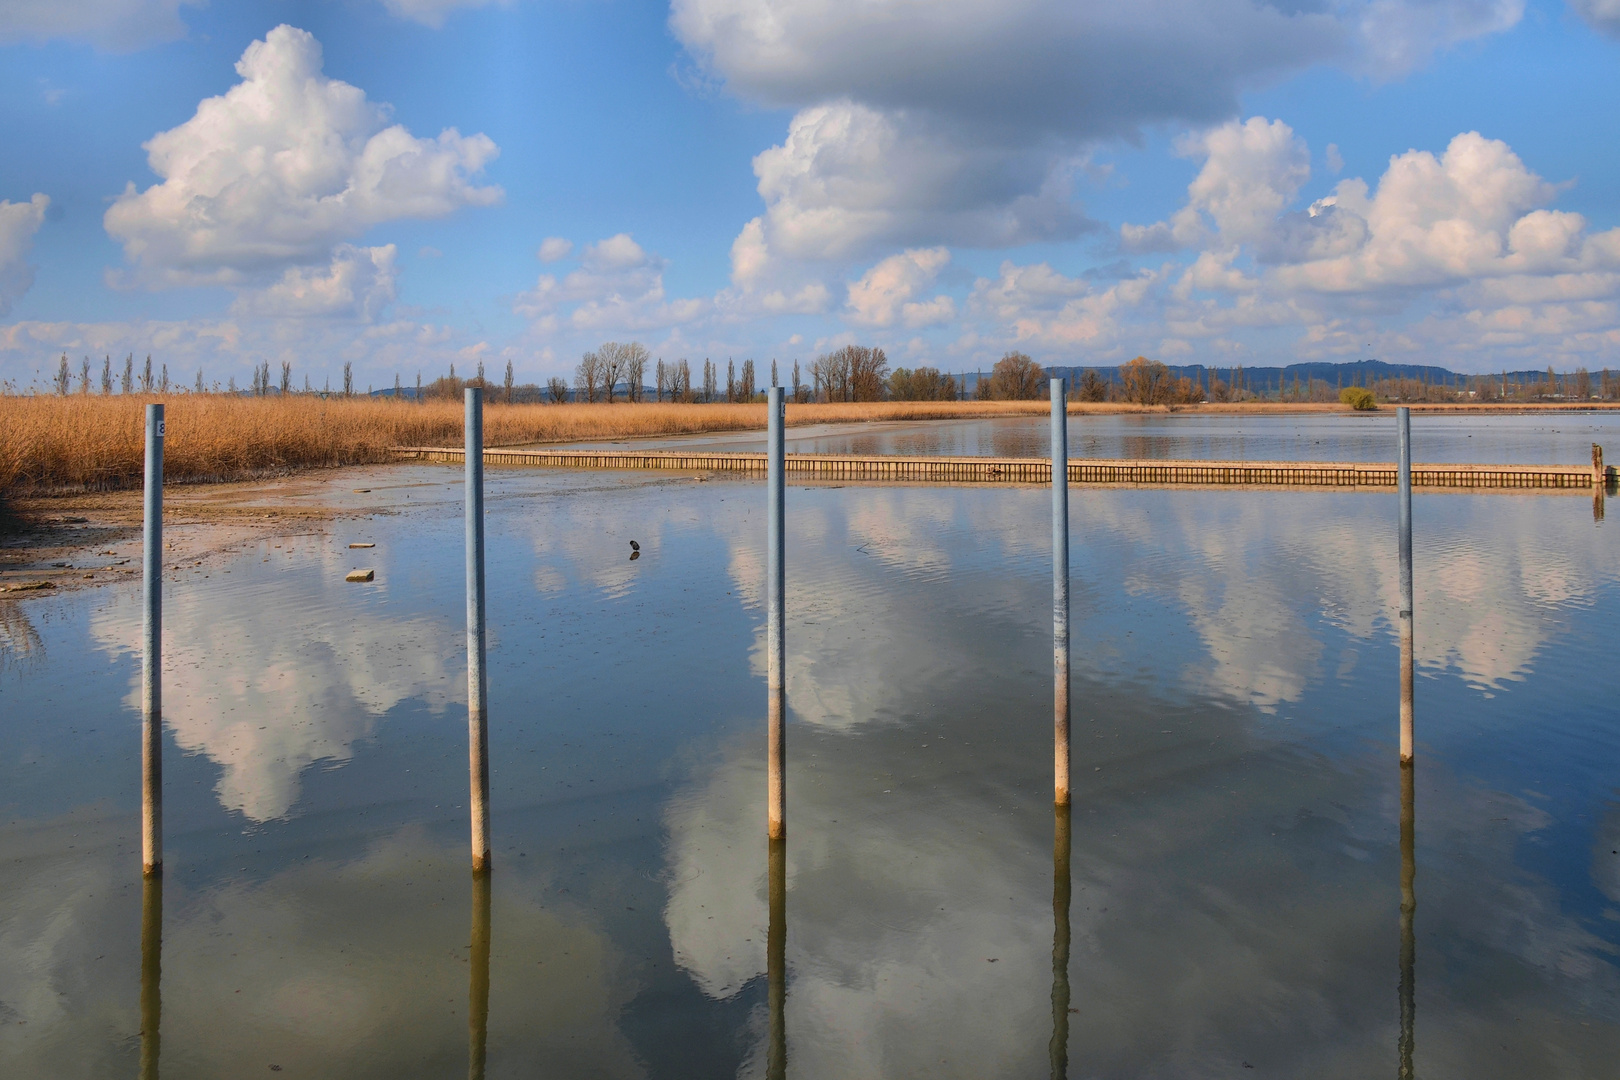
(1403,436)
(478,982)
(477,685)
(776,962)
(151,972)
(152,649)
(1408,912)
(1060,593)
(1061,889)
(775,637)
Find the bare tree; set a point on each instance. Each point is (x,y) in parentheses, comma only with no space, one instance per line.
(1016,378)
(710,381)
(348,379)
(635,369)
(200,388)
(745,385)
(507,383)
(106,375)
(286,376)
(64,377)
(731,379)
(587,375)
(1094,387)
(922,384)
(557,390)
(659,383)
(1148,382)
(680,386)
(798,388)
(84,376)
(163,379)
(773,372)
(146,375)
(614,358)
(399,391)
(127,383)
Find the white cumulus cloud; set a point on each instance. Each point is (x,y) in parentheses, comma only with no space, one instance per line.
(555,249)
(885,294)
(18,224)
(959,122)
(280,169)
(358,284)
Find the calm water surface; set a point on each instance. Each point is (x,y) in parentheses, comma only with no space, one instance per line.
(1236,864)
(1527,439)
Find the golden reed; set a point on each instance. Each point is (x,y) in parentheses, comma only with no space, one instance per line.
(94,442)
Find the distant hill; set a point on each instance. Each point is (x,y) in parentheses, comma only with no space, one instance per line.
(1264,379)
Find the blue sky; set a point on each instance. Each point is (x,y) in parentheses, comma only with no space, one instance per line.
(406,184)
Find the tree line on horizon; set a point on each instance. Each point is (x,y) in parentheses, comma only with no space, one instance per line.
(618,371)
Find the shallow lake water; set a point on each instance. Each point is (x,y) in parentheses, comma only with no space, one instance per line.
(1235,870)
(1454,438)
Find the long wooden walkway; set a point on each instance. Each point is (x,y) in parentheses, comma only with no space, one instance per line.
(1039,470)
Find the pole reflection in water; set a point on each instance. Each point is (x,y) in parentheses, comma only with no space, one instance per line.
(1060,944)
(1408,910)
(151,972)
(478,988)
(776,961)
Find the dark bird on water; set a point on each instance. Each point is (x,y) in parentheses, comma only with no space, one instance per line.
(634,546)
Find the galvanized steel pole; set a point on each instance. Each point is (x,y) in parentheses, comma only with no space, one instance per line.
(478,980)
(1062,888)
(477,685)
(1408,991)
(151,975)
(1060,592)
(775,637)
(152,649)
(776,961)
(1403,428)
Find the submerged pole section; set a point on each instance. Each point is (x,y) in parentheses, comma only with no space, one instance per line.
(151,973)
(477,685)
(775,636)
(1060,592)
(1408,912)
(1403,435)
(1058,1051)
(152,649)
(478,979)
(776,962)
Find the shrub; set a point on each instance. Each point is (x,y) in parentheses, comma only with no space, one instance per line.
(1358,397)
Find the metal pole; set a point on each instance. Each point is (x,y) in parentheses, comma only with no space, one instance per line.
(152,650)
(1058,1051)
(1408,992)
(478,981)
(1403,429)
(776,962)
(775,638)
(477,685)
(1060,592)
(151,974)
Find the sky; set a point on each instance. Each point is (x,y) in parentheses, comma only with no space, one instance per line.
(403,185)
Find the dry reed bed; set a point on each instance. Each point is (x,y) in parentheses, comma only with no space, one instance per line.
(91,442)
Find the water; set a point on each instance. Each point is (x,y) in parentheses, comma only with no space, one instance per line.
(1236,866)
(1457,438)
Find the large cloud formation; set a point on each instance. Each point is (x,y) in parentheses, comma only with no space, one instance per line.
(282,168)
(960,122)
(1461,245)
